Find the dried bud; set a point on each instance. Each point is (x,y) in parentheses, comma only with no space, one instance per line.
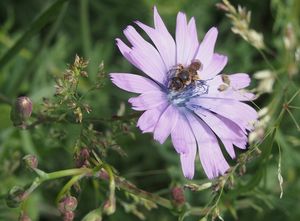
(78,114)
(21,110)
(67,204)
(15,197)
(81,157)
(24,217)
(31,161)
(222,87)
(84,74)
(222,6)
(178,196)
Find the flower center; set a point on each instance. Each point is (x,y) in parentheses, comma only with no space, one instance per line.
(184,83)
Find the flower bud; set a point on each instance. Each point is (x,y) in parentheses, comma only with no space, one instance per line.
(178,196)
(109,207)
(69,216)
(15,197)
(31,161)
(82,157)
(21,110)
(67,204)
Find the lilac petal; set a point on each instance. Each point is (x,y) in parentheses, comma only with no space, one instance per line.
(239,80)
(232,92)
(186,39)
(182,136)
(188,162)
(148,120)
(158,22)
(215,66)
(206,47)
(164,43)
(125,50)
(228,135)
(148,100)
(145,55)
(166,123)
(133,83)
(211,157)
(193,38)
(241,114)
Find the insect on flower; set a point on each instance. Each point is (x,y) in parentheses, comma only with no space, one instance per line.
(184,95)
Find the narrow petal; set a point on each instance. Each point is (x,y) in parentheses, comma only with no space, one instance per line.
(125,51)
(211,157)
(164,44)
(241,114)
(148,100)
(145,56)
(216,65)
(166,123)
(206,47)
(227,135)
(232,91)
(158,22)
(188,162)
(182,136)
(181,39)
(133,83)
(148,120)
(239,80)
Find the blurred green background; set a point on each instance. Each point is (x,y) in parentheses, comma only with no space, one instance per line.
(50,41)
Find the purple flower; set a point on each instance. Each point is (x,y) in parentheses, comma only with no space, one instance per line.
(184,95)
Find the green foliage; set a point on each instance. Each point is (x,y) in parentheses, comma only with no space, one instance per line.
(83,134)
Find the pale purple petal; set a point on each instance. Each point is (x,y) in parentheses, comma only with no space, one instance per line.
(125,50)
(148,100)
(158,22)
(215,66)
(148,120)
(145,55)
(166,123)
(186,39)
(188,162)
(241,114)
(228,135)
(182,136)
(164,43)
(231,92)
(207,46)
(239,80)
(133,83)
(211,157)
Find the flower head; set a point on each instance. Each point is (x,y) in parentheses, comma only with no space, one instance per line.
(184,95)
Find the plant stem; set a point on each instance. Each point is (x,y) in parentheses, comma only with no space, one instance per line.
(129,187)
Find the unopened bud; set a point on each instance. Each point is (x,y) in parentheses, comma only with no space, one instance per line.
(31,161)
(82,157)
(67,204)
(15,197)
(109,207)
(21,110)
(69,216)
(178,196)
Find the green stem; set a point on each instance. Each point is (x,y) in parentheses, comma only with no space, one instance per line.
(5,99)
(129,187)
